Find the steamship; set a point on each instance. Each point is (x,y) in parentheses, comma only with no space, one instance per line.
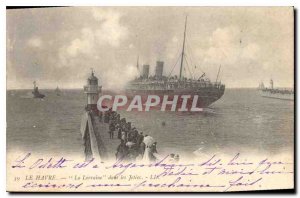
(276,93)
(35,92)
(207,91)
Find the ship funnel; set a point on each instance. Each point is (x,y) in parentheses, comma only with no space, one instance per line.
(159,69)
(145,73)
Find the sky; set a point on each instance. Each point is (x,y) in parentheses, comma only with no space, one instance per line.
(59,46)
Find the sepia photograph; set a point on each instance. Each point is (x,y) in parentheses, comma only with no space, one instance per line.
(150,99)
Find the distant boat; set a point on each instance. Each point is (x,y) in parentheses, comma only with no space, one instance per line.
(35,92)
(57,91)
(283,94)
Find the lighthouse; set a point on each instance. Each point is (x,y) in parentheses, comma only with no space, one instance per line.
(92,91)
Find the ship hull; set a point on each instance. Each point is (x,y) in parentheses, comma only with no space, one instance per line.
(280,96)
(38,95)
(204,98)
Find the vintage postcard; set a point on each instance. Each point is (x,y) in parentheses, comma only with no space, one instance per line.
(150,99)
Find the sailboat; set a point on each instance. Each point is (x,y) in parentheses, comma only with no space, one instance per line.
(57,91)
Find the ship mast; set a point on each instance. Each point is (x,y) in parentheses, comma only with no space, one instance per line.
(34,84)
(183,45)
(137,64)
(218,74)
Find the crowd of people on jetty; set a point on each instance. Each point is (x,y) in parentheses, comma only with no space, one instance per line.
(133,144)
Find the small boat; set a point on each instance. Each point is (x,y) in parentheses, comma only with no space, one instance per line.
(35,92)
(57,91)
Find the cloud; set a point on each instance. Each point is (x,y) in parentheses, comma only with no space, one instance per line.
(67,42)
(224,46)
(251,51)
(92,46)
(111,31)
(84,44)
(35,42)
(116,78)
(228,47)
(108,34)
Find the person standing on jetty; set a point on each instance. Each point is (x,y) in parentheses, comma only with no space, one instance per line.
(133,143)
(111,129)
